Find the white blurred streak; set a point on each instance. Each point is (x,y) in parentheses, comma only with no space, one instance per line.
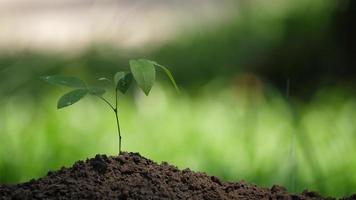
(71,25)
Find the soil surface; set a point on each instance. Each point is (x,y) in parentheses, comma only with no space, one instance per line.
(131,176)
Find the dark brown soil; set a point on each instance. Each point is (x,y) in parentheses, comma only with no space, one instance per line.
(130,176)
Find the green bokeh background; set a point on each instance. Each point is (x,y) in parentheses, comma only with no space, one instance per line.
(233,118)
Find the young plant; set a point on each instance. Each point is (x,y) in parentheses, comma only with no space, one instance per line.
(143,71)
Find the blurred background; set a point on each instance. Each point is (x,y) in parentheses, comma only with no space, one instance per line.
(267,87)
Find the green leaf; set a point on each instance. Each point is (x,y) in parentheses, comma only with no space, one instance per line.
(123,81)
(96,91)
(68,81)
(144,73)
(103,79)
(71,97)
(168,73)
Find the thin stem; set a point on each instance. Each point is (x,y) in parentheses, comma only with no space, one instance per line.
(116,99)
(107,102)
(116,115)
(118,130)
(117,121)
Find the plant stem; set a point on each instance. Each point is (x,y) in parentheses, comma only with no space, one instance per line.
(116,115)
(107,102)
(117,121)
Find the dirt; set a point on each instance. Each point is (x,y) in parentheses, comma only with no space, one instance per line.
(131,176)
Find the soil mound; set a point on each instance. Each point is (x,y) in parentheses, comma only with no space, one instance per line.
(130,176)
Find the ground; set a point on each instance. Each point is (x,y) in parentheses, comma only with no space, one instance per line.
(131,176)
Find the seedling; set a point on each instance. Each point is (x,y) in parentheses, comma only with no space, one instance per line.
(143,71)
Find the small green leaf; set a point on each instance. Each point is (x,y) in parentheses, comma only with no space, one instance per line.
(71,97)
(118,76)
(168,73)
(68,81)
(144,73)
(103,79)
(123,81)
(96,91)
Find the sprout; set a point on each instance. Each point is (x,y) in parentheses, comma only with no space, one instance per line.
(143,71)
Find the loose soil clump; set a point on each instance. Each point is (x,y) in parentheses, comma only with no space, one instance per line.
(130,176)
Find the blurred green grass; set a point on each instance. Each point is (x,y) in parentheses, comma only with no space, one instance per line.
(241,130)
(228,131)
